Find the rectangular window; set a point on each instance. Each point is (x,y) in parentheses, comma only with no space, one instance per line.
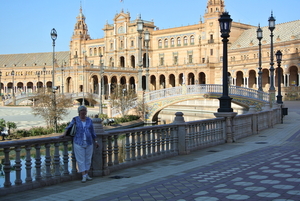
(161,61)
(190,59)
(211,52)
(175,60)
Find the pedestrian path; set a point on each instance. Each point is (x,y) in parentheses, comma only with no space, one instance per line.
(260,167)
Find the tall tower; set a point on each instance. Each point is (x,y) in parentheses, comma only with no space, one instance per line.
(211,36)
(80,36)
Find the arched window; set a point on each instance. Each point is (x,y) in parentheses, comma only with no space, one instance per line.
(192,40)
(172,42)
(185,40)
(178,41)
(166,42)
(159,43)
(132,43)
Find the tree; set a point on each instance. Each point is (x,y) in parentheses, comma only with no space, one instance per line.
(142,109)
(44,107)
(123,99)
(11,126)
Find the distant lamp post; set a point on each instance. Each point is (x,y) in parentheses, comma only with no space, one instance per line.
(279,59)
(83,102)
(62,79)
(272,88)
(225,25)
(54,37)
(38,83)
(13,87)
(259,37)
(101,87)
(147,39)
(44,71)
(140,26)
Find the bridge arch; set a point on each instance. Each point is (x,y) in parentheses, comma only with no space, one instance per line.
(157,100)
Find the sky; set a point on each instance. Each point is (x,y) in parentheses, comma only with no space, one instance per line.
(26,24)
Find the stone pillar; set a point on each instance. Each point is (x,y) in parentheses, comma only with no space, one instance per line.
(229,124)
(181,133)
(97,168)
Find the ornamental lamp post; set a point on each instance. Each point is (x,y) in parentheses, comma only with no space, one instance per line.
(13,87)
(54,37)
(38,83)
(140,26)
(62,79)
(272,88)
(101,86)
(147,39)
(44,71)
(279,59)
(225,25)
(259,37)
(83,102)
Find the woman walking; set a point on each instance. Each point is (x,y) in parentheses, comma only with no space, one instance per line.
(83,141)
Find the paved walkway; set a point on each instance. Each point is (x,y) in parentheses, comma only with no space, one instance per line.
(261,167)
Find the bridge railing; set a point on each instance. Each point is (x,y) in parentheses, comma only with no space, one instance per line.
(50,160)
(206,89)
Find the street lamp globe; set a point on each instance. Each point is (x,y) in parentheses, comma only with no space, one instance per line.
(278,55)
(271,22)
(225,24)
(259,33)
(140,24)
(53,34)
(147,36)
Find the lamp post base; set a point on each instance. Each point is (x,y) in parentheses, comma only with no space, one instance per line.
(225,104)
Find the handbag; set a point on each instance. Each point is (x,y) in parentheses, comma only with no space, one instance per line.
(72,130)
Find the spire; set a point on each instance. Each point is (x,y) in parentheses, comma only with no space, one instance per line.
(81,29)
(214,7)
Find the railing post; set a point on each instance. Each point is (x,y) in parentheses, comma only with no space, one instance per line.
(254,126)
(97,161)
(181,133)
(229,124)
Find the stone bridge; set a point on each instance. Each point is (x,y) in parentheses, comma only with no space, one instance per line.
(159,99)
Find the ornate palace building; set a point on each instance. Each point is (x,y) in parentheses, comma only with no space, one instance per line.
(170,57)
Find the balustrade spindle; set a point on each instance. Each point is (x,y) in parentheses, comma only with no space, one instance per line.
(7,168)
(158,141)
(48,160)
(138,145)
(38,162)
(175,138)
(56,159)
(109,151)
(18,166)
(192,134)
(127,147)
(144,145)
(66,158)
(153,142)
(148,143)
(116,150)
(133,147)
(28,164)
(104,152)
(163,141)
(167,131)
